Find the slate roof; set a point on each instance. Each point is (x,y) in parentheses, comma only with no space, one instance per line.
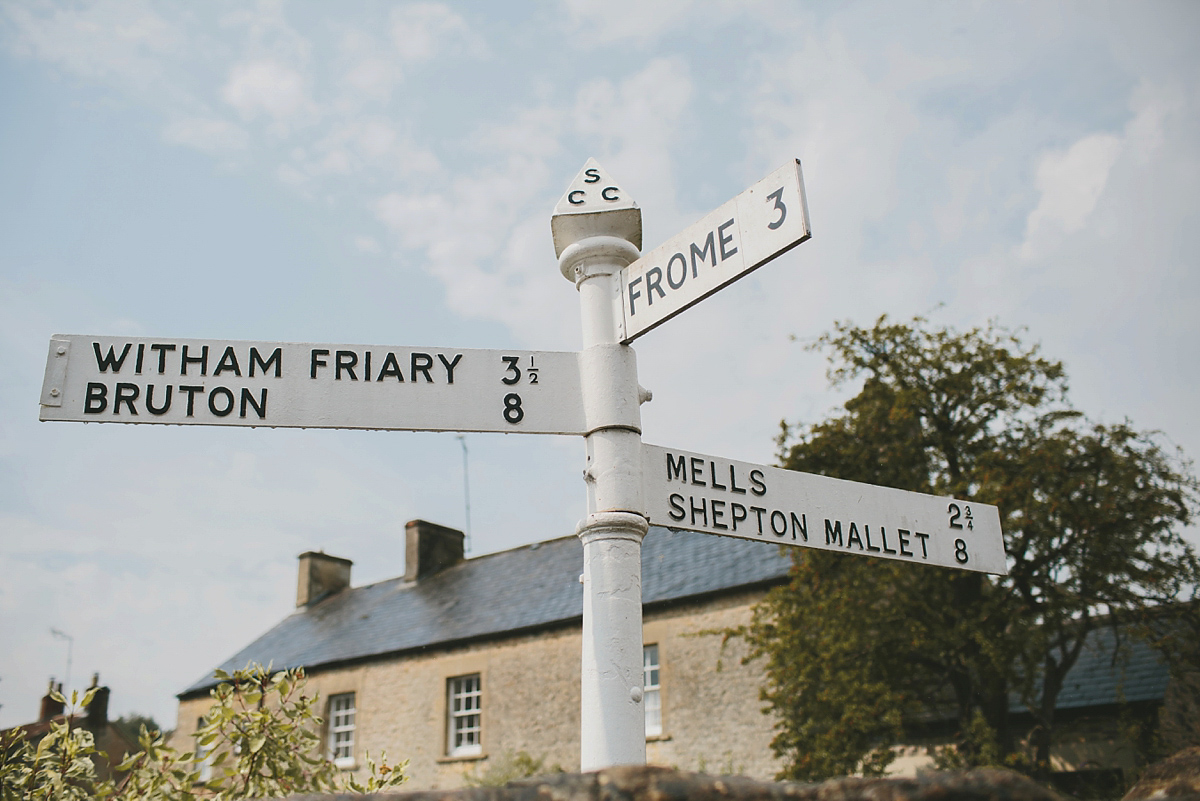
(504,593)
(537,586)
(1137,673)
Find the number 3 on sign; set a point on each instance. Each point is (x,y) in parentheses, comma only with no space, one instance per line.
(777,196)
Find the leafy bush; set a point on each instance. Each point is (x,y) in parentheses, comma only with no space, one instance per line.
(258,740)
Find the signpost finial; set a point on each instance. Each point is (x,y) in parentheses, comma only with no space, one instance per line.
(595,205)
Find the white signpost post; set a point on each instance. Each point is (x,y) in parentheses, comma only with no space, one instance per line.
(597,233)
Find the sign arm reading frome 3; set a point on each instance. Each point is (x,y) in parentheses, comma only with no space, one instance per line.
(767,220)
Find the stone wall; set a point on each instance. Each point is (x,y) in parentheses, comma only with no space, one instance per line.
(661,784)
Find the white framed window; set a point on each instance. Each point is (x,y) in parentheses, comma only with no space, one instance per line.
(464,709)
(651,690)
(341,729)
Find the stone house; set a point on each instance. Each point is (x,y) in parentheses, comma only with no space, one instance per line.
(464,661)
(461,663)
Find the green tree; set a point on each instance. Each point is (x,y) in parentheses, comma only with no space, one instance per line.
(859,651)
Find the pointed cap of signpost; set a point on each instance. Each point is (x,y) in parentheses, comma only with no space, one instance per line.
(595,205)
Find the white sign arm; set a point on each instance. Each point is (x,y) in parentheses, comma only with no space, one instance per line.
(738,499)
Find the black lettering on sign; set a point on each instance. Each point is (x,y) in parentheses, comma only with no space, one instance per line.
(738,513)
(633,295)
(111,360)
(346,360)
(654,284)
(799,524)
(677,512)
(682,271)
(676,469)
(228,362)
(708,252)
(317,361)
(852,535)
(781,529)
(96,399)
(702,509)
(902,534)
(421,363)
(127,394)
(725,240)
(141,353)
(954,513)
(759,488)
(159,410)
(162,355)
(513,413)
(513,373)
(697,465)
(222,392)
(367,366)
(604,193)
(733,487)
(259,406)
(712,476)
(276,359)
(777,196)
(870,547)
(191,393)
(883,536)
(450,365)
(201,360)
(758,513)
(833,533)
(571,197)
(924,550)
(390,368)
(960,551)
(591,175)
(718,512)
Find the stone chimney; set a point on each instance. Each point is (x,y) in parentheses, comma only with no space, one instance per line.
(50,708)
(97,710)
(430,548)
(321,575)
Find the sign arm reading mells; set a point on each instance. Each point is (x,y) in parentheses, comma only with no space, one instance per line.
(597,231)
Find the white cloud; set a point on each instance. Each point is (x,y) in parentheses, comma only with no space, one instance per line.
(212,136)
(108,39)
(423,31)
(267,86)
(1070,183)
(367,244)
(596,24)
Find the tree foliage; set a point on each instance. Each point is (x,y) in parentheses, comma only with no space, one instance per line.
(861,651)
(256,741)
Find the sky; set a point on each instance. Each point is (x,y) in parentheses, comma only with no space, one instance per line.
(384,173)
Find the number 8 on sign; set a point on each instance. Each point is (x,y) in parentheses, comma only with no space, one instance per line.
(513,413)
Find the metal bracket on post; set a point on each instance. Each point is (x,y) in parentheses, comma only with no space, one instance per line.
(597,232)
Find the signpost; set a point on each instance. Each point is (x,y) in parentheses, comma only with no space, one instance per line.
(738,499)
(597,232)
